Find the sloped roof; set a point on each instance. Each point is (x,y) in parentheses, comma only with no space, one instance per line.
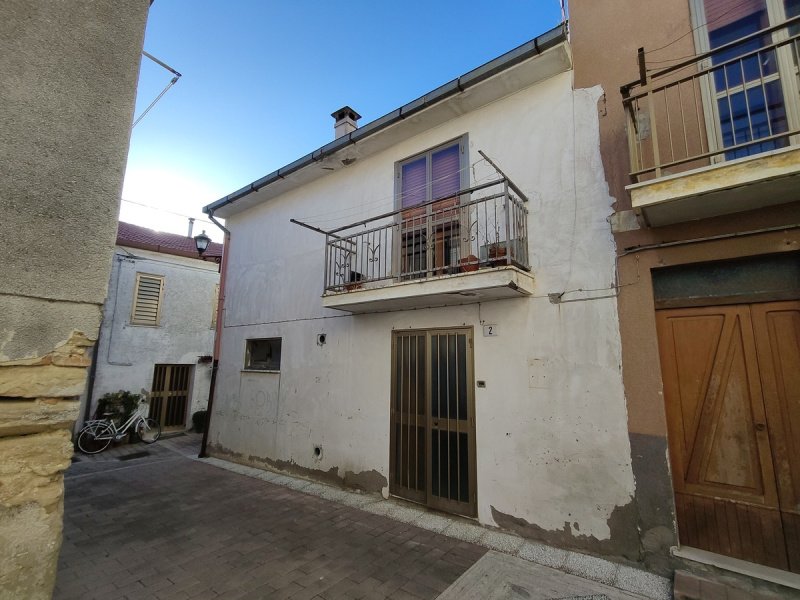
(506,62)
(143,238)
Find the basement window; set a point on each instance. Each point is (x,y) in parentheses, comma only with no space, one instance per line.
(263,355)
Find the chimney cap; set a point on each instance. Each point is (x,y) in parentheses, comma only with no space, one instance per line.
(344,113)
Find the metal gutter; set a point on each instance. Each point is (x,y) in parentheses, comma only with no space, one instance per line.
(536,46)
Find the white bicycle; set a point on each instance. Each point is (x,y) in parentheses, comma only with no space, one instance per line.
(96,435)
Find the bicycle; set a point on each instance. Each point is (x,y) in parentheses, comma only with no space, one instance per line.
(96,435)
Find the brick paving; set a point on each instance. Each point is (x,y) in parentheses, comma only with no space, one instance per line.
(166,527)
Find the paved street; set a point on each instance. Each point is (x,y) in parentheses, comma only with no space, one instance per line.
(163,526)
(149,522)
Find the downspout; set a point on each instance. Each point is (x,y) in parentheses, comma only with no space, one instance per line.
(217,333)
(87,410)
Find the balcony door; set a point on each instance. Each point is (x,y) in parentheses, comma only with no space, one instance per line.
(751,98)
(429,238)
(432,438)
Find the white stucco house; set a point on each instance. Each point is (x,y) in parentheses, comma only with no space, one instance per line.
(425,307)
(158,324)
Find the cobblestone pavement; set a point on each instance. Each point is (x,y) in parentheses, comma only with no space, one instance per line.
(162,526)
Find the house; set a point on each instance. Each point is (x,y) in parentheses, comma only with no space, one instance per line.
(426,307)
(158,324)
(69,73)
(702,156)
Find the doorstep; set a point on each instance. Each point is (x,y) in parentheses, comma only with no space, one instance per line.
(589,567)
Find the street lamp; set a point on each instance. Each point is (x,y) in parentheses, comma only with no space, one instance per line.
(202,241)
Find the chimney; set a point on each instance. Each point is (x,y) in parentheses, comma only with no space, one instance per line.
(346,121)
(191,226)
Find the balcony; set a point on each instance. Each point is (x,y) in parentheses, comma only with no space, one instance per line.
(718,133)
(466,248)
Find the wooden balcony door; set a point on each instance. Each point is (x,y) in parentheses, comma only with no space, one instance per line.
(170,394)
(732,390)
(432,439)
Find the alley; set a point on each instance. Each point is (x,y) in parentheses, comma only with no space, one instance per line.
(163,526)
(151,523)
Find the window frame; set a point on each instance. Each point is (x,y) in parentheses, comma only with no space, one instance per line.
(248,367)
(463,162)
(417,219)
(135,301)
(785,73)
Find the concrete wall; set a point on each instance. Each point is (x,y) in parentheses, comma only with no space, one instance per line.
(127,353)
(69,72)
(553,457)
(605,37)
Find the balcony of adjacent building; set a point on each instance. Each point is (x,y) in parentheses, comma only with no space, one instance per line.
(468,247)
(719,133)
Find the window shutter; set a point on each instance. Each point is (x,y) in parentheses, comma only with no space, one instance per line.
(414,181)
(147,300)
(445,176)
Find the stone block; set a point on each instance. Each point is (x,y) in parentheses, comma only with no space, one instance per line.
(32,467)
(23,417)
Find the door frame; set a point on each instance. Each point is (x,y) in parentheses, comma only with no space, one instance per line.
(425,497)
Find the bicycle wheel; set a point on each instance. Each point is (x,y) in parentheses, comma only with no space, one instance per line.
(95,438)
(148,430)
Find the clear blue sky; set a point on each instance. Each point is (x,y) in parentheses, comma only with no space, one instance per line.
(260,79)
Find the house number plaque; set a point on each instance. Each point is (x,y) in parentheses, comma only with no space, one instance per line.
(490,331)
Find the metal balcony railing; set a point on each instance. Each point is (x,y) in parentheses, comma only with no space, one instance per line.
(737,100)
(480,227)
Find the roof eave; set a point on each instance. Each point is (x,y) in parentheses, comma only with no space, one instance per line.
(534,47)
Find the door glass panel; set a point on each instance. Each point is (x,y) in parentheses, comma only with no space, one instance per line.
(747,85)
(747,117)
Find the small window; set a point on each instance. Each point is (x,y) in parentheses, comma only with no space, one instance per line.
(147,298)
(263,355)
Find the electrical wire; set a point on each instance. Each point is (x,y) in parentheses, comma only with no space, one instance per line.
(164,210)
(691,31)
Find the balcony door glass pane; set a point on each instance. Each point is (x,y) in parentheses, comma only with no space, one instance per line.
(414,177)
(747,86)
(445,176)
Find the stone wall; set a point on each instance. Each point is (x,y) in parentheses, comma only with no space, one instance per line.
(69,73)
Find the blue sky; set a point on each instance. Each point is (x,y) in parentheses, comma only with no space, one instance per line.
(260,79)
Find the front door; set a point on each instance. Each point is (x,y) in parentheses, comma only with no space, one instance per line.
(432,439)
(169,395)
(732,390)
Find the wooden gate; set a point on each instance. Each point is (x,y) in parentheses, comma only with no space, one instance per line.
(432,439)
(169,395)
(732,390)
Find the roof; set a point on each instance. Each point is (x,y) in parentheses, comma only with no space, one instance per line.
(134,236)
(506,62)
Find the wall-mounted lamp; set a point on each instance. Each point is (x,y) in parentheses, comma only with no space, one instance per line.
(201,241)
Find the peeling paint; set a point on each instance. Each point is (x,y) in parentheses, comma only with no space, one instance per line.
(623,543)
(366,481)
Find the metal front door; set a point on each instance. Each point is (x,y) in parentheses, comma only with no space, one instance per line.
(432,456)
(732,389)
(169,395)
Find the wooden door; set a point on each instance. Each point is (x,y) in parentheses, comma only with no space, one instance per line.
(169,395)
(716,367)
(432,457)
(777,332)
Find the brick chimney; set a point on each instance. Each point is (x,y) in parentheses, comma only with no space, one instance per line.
(346,121)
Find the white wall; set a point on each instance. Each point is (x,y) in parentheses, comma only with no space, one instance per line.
(127,353)
(552,444)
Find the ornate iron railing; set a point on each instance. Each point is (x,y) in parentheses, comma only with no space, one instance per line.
(480,227)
